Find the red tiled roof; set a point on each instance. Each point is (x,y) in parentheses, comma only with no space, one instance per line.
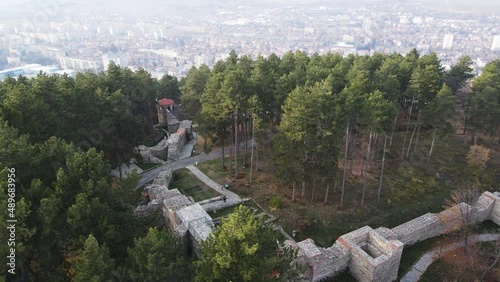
(166,102)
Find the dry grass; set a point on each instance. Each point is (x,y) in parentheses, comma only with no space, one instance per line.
(408,192)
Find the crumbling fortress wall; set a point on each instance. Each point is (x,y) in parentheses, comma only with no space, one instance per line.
(168,149)
(155,154)
(180,132)
(374,255)
(175,143)
(369,254)
(178,139)
(182,215)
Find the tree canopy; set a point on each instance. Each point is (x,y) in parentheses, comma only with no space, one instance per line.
(242,248)
(319,116)
(158,256)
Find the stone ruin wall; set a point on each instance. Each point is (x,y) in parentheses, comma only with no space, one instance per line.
(175,143)
(180,213)
(423,227)
(178,139)
(168,149)
(369,254)
(494,214)
(188,126)
(374,255)
(164,178)
(155,154)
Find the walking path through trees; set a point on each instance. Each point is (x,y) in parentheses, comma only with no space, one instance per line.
(428,258)
(182,163)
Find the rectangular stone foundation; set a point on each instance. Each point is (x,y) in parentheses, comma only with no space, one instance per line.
(374,258)
(321,262)
(374,255)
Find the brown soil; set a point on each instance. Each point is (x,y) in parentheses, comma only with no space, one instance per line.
(470,266)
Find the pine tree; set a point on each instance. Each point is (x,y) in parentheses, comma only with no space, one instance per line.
(242,248)
(95,264)
(159,256)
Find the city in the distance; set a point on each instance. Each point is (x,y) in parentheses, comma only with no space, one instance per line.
(165,37)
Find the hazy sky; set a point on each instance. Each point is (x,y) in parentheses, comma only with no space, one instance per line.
(18,9)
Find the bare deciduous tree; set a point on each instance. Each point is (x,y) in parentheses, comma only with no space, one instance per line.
(469,196)
(491,257)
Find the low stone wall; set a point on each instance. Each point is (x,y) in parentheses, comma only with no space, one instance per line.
(211,200)
(188,126)
(374,255)
(164,178)
(453,218)
(495,212)
(171,205)
(175,143)
(155,154)
(387,233)
(171,147)
(418,229)
(182,216)
(322,262)
(126,170)
(484,207)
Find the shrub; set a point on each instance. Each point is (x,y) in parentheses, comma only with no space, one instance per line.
(275,202)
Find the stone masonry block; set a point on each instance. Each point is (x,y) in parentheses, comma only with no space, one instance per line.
(376,258)
(483,207)
(495,212)
(453,218)
(387,233)
(418,229)
(164,178)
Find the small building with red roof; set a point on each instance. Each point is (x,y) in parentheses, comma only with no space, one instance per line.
(165,102)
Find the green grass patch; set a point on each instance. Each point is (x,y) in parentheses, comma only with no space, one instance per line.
(214,170)
(487,226)
(153,138)
(148,166)
(438,270)
(227,211)
(412,253)
(223,212)
(189,185)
